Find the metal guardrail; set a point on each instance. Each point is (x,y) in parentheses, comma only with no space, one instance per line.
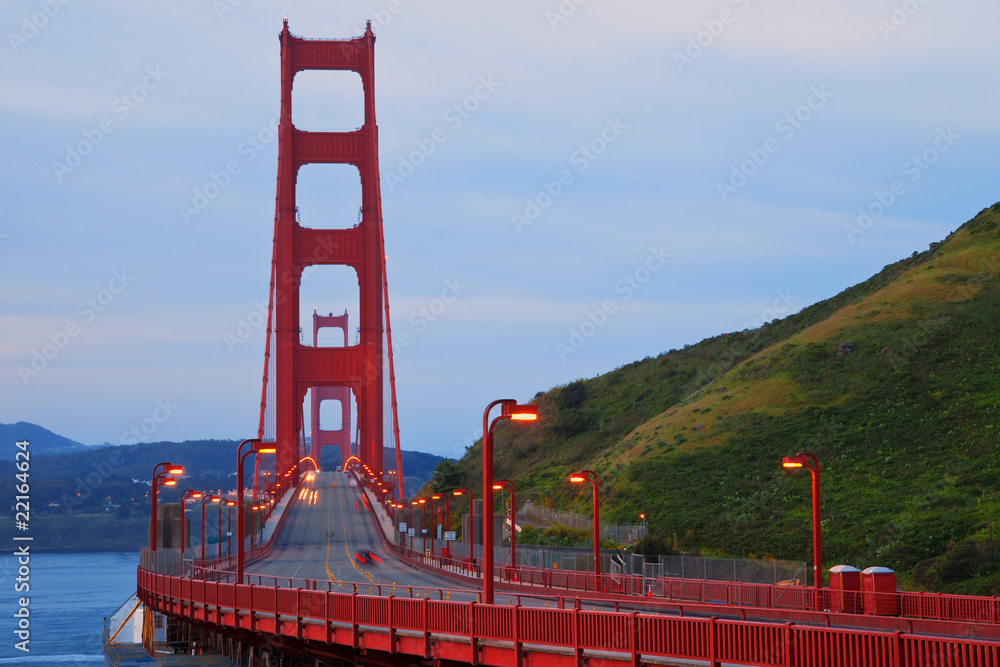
(301,611)
(456,630)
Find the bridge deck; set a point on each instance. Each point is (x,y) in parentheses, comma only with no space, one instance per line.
(329,523)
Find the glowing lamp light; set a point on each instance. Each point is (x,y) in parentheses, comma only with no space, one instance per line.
(577,478)
(176,470)
(267,450)
(457,493)
(792,461)
(168,481)
(524,413)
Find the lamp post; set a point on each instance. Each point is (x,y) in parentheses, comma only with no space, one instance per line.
(464,491)
(396,516)
(188,493)
(809,461)
(258,533)
(591,476)
(206,499)
(643,517)
(413,503)
(509,409)
(439,496)
(221,503)
(509,485)
(423,524)
(446,549)
(255,448)
(229,527)
(161,473)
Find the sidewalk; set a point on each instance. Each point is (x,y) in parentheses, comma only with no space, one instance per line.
(384,520)
(275,518)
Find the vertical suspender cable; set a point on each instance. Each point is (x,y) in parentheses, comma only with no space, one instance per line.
(400,493)
(267,340)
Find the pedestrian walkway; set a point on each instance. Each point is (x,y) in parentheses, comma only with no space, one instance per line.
(384,520)
(135,655)
(271,524)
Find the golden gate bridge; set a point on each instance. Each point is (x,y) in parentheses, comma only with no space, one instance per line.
(332,582)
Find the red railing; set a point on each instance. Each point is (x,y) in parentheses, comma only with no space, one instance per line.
(445,629)
(914,605)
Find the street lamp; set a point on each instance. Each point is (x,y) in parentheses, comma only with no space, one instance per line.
(509,409)
(591,476)
(509,485)
(423,524)
(464,491)
(221,503)
(446,549)
(393,484)
(230,504)
(256,447)
(413,503)
(809,461)
(188,493)
(643,517)
(444,529)
(161,473)
(208,499)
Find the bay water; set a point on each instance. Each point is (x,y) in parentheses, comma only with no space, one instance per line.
(69,596)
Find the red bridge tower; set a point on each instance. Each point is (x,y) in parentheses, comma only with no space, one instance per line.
(299,367)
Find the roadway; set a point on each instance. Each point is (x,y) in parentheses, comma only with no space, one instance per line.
(327,526)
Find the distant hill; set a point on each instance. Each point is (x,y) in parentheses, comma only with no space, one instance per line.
(894,384)
(77,492)
(89,479)
(43,441)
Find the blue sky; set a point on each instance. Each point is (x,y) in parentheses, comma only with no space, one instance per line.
(567,187)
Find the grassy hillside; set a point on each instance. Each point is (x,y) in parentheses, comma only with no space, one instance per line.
(893,384)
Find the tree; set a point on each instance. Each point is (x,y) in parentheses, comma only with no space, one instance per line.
(447,476)
(655,545)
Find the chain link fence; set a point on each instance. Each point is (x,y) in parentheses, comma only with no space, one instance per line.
(744,570)
(622,533)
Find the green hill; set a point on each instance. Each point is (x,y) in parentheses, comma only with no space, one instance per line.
(893,384)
